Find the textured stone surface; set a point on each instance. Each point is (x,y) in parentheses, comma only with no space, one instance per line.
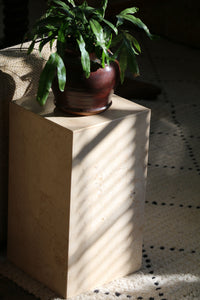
(76,193)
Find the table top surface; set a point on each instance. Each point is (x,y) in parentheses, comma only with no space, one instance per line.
(120,108)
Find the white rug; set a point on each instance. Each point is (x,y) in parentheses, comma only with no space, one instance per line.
(171,252)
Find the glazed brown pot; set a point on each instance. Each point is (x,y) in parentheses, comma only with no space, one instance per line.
(86,96)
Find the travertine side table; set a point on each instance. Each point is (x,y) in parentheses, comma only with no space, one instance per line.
(76,193)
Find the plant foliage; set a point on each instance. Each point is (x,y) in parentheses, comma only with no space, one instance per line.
(85,30)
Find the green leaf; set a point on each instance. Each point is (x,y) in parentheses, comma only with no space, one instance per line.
(101,11)
(50,27)
(45,41)
(61,72)
(98,31)
(85,58)
(61,3)
(47,77)
(87,9)
(41,28)
(99,34)
(136,21)
(104,6)
(109,58)
(131,59)
(61,41)
(126,56)
(71,2)
(131,10)
(31,47)
(133,41)
(52,40)
(63,7)
(110,25)
(80,14)
(120,21)
(41,23)
(109,42)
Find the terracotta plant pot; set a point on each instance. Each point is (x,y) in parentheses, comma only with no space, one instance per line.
(86,96)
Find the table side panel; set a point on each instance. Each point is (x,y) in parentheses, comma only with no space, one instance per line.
(39,197)
(107,204)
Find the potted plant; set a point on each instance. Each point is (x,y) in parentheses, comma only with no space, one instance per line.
(91,54)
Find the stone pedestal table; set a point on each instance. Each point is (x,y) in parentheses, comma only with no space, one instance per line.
(77,193)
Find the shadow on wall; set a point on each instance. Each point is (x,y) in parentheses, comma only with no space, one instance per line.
(19,75)
(176,20)
(17,17)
